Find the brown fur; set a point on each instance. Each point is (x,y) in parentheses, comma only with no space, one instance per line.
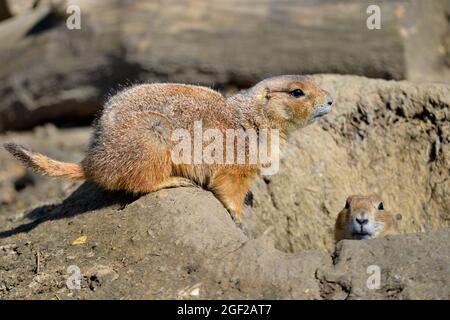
(43,164)
(364,207)
(131,146)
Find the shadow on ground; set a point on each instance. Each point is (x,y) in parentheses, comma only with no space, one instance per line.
(88,197)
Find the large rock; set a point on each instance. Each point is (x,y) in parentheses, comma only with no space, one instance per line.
(181,243)
(61,75)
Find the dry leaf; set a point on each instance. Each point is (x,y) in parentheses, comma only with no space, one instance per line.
(80,240)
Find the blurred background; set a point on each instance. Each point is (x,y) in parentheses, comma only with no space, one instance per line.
(51,72)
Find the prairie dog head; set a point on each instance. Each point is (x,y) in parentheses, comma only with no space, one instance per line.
(363,217)
(293,101)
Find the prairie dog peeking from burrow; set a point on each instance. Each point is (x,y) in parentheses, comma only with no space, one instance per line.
(364,217)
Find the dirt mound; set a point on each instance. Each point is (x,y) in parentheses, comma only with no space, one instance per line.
(181,243)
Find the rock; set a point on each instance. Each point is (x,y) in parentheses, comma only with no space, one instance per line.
(411,266)
(59,75)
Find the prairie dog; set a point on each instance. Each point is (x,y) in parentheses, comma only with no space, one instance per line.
(131,146)
(364,217)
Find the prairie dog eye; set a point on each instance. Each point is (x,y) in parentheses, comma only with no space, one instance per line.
(297,93)
(381,206)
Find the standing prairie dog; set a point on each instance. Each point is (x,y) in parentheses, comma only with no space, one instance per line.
(364,217)
(130,148)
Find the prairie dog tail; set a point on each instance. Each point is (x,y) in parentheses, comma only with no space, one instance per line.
(43,164)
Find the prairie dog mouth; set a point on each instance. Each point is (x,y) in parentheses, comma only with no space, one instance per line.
(361,235)
(321,111)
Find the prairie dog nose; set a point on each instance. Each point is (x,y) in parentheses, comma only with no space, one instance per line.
(362,221)
(329,99)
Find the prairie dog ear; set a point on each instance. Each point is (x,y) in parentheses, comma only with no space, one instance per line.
(280,110)
(264,95)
